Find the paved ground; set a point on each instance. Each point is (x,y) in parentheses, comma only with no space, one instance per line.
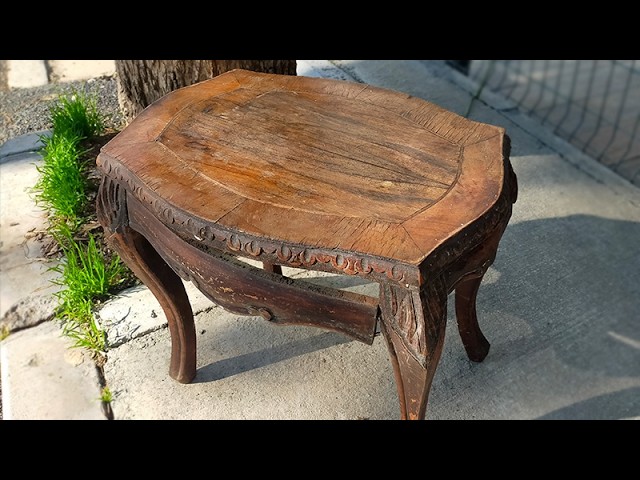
(560,306)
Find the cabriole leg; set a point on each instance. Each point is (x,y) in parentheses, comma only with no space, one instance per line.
(413,324)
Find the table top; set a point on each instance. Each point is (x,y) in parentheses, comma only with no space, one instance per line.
(317,163)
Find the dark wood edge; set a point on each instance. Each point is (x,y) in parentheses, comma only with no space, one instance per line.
(478,232)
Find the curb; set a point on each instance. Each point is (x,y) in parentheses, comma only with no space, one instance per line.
(27,143)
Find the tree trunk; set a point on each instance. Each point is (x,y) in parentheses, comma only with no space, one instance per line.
(141,82)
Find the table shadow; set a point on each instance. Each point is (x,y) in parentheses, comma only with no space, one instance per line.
(570,284)
(573,284)
(261,358)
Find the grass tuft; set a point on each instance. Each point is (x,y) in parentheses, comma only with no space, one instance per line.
(4,332)
(106,395)
(88,272)
(62,184)
(76,115)
(89,278)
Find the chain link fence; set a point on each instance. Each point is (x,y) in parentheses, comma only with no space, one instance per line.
(593,104)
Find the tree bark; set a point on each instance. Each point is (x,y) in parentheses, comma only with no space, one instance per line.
(141,82)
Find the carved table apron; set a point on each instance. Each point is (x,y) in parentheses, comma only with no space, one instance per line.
(316,174)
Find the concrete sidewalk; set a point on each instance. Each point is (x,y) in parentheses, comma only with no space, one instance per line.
(560,306)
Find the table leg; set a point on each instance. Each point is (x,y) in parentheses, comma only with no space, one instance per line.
(169,290)
(413,324)
(145,262)
(474,341)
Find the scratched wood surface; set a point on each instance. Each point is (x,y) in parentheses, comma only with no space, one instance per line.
(318,174)
(315,162)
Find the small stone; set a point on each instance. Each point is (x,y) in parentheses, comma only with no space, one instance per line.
(33,361)
(74,356)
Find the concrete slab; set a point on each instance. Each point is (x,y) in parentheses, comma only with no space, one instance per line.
(74,70)
(26,73)
(135,312)
(23,270)
(251,369)
(43,378)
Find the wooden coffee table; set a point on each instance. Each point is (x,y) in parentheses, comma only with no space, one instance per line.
(316,174)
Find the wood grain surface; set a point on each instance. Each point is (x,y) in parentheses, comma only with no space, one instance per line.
(314,163)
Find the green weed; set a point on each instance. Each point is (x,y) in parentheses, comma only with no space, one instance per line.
(62,184)
(76,114)
(106,396)
(4,332)
(87,273)
(89,277)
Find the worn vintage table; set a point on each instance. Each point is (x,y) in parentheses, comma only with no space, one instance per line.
(317,174)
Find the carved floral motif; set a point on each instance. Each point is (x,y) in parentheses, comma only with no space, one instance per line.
(416,315)
(291,255)
(407,318)
(111,204)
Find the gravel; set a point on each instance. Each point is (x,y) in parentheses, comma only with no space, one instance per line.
(26,110)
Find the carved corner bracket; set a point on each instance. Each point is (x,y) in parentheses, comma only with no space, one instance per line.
(415,315)
(111,205)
